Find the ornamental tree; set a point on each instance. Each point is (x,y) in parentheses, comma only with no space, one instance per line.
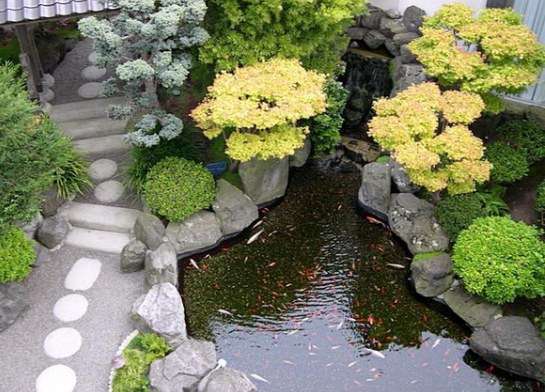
(491,54)
(148,43)
(259,108)
(247,31)
(427,133)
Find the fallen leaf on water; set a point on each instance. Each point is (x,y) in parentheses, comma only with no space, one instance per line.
(194,264)
(255,236)
(225,312)
(436,343)
(375,353)
(352,364)
(288,362)
(259,378)
(398,266)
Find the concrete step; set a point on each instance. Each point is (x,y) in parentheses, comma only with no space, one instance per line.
(91,128)
(99,217)
(83,110)
(97,240)
(102,145)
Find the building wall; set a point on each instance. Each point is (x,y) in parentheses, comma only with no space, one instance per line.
(430,6)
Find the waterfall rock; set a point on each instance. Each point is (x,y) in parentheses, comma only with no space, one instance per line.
(150,230)
(389,27)
(161,311)
(133,256)
(13,302)
(401,178)
(265,180)
(413,220)
(404,38)
(371,19)
(406,56)
(512,344)
(235,210)
(406,75)
(162,266)
(359,151)
(197,233)
(432,275)
(182,369)
(227,380)
(375,190)
(474,310)
(413,18)
(356,33)
(374,39)
(392,47)
(300,157)
(53,231)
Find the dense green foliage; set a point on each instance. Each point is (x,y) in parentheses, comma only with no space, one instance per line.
(138,356)
(500,259)
(509,164)
(244,32)
(527,134)
(540,198)
(16,255)
(176,188)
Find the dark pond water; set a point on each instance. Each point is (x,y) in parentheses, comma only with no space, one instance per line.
(319,303)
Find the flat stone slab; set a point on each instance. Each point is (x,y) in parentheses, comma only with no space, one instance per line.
(102,169)
(92,58)
(473,310)
(99,240)
(99,217)
(71,307)
(93,72)
(57,378)
(109,191)
(62,343)
(91,90)
(83,274)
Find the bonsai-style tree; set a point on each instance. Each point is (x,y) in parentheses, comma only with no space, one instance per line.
(247,31)
(258,108)
(427,133)
(491,54)
(148,44)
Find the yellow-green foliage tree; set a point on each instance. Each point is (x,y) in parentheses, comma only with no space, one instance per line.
(258,108)
(427,133)
(490,54)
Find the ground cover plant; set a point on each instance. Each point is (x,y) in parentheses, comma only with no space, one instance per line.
(16,255)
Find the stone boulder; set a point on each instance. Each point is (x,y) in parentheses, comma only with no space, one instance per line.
(53,231)
(401,178)
(512,344)
(161,266)
(406,56)
(265,181)
(197,233)
(389,27)
(401,39)
(474,310)
(371,19)
(31,228)
(375,190)
(392,47)
(150,230)
(359,151)
(51,202)
(182,369)
(235,210)
(413,220)
(413,18)
(161,311)
(133,256)
(301,155)
(356,33)
(13,302)
(227,380)
(432,275)
(406,75)
(374,39)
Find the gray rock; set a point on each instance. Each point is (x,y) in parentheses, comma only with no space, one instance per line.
(512,344)
(161,311)
(413,220)
(401,178)
(32,227)
(374,39)
(356,33)
(375,189)
(372,18)
(359,151)
(392,47)
(432,276)
(109,191)
(150,230)
(133,256)
(301,155)
(182,369)
(406,75)
(474,310)
(227,380)
(406,56)
(413,18)
(102,169)
(162,266)
(265,181)
(13,302)
(404,38)
(53,231)
(393,13)
(198,232)
(389,27)
(51,202)
(235,210)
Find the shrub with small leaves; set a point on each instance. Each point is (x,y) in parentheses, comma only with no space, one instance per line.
(508,163)
(501,260)
(540,198)
(16,255)
(527,134)
(176,188)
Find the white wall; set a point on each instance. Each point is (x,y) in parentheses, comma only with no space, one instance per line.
(430,6)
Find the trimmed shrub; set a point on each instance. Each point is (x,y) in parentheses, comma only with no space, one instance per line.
(16,255)
(508,163)
(500,259)
(527,134)
(540,199)
(176,188)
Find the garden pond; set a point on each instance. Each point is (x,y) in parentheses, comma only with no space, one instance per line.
(320,302)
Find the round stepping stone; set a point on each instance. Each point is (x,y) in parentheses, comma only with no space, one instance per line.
(90,90)
(57,378)
(109,191)
(71,307)
(62,343)
(92,58)
(93,72)
(83,274)
(102,169)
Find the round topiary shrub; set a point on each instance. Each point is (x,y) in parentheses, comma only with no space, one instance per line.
(16,255)
(500,259)
(176,188)
(508,163)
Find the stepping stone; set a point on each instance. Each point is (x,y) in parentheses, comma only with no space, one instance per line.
(57,378)
(101,217)
(102,169)
(109,191)
(62,343)
(71,307)
(112,144)
(90,90)
(84,110)
(93,72)
(83,274)
(92,58)
(97,240)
